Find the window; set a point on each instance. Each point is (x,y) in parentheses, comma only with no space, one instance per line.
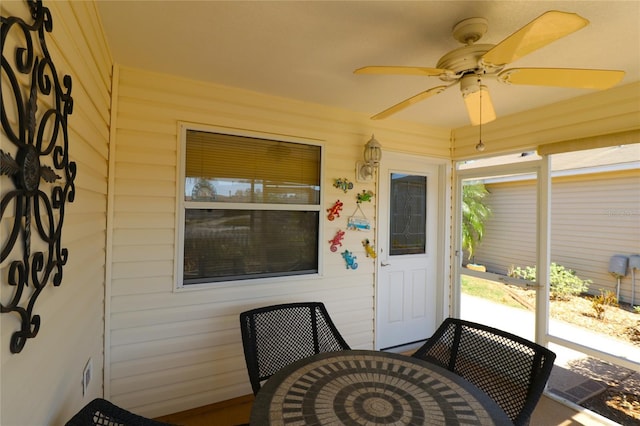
(251,207)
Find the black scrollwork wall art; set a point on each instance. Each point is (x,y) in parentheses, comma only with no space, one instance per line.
(36,176)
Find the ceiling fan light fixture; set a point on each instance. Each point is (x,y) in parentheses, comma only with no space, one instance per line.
(477,100)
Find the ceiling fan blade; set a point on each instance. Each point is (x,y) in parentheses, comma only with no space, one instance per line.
(429,72)
(546,28)
(408,102)
(562,77)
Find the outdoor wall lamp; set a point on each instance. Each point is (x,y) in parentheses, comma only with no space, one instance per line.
(372,155)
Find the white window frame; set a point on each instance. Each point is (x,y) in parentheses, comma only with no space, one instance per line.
(181,206)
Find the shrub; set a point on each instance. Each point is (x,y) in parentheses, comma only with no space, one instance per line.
(475,213)
(564,282)
(600,303)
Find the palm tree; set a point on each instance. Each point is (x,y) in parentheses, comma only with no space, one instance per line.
(474,215)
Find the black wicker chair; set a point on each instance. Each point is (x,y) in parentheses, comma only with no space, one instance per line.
(275,336)
(513,371)
(101,412)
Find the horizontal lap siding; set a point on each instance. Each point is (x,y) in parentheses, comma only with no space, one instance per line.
(172,351)
(593,220)
(510,234)
(42,384)
(593,217)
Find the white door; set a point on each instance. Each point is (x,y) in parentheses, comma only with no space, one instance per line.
(406,293)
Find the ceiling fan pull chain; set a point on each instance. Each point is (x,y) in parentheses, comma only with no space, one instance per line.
(480,145)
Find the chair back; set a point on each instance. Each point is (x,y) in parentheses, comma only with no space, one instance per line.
(512,370)
(275,336)
(100,412)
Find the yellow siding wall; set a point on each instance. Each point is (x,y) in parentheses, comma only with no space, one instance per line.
(169,350)
(42,384)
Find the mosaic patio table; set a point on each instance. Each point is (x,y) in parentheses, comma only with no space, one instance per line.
(361,387)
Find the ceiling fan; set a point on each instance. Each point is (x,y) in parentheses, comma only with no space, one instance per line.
(469,65)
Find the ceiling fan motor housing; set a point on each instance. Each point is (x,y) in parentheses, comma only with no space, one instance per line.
(464,60)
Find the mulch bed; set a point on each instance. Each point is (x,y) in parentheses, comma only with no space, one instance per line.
(620,406)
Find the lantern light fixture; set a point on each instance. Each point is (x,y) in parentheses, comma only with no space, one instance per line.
(372,155)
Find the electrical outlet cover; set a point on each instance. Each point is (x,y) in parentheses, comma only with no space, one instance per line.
(87,372)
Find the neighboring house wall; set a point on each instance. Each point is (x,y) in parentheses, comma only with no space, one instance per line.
(42,384)
(593,217)
(510,232)
(173,350)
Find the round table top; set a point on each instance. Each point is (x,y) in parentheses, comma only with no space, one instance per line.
(361,387)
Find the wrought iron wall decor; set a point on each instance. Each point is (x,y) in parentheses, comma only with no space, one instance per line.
(36,175)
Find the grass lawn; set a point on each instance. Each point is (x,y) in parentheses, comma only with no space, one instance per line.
(490,290)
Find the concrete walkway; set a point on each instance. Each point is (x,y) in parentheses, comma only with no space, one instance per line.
(576,377)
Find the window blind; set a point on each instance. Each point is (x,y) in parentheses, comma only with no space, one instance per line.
(215,155)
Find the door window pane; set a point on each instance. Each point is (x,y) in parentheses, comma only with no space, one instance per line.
(408,214)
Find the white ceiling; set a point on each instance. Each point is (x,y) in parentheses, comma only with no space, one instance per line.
(307,50)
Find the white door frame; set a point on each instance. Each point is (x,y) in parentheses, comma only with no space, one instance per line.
(443,237)
(539,169)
